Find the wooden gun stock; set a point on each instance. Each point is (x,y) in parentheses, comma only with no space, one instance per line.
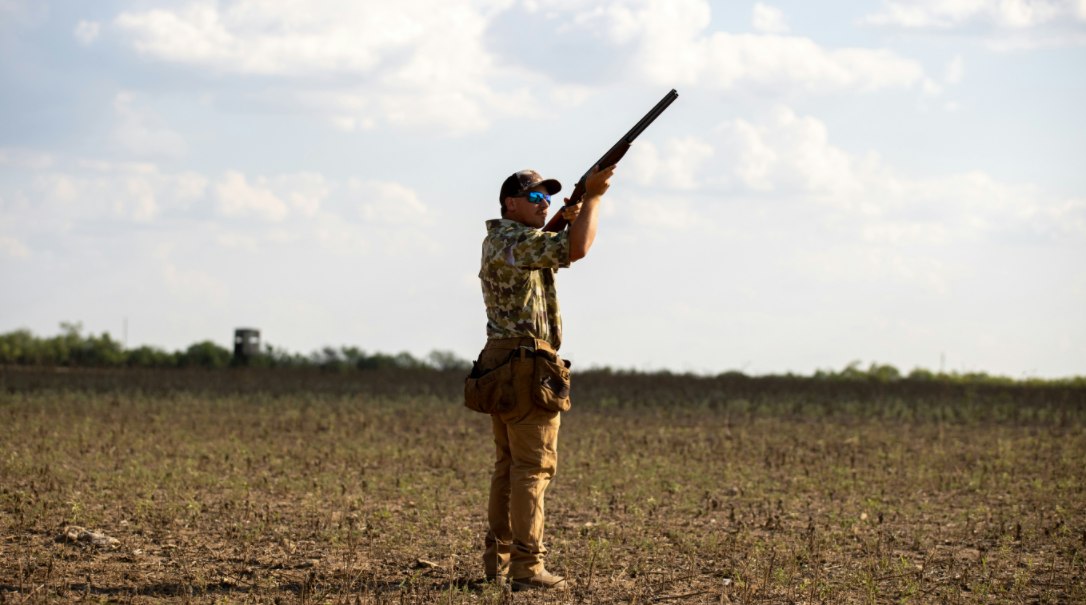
(613,155)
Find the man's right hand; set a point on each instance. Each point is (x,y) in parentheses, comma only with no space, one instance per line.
(598,181)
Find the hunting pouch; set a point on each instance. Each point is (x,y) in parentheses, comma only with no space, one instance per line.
(490,392)
(550,378)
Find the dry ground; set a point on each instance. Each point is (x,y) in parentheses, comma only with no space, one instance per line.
(374,492)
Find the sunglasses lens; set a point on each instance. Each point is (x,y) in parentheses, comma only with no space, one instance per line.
(536,197)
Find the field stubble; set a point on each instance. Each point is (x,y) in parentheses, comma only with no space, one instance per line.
(252,487)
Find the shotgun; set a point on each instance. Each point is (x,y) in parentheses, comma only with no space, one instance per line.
(613,155)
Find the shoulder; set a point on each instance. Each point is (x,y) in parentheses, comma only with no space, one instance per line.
(512,232)
(499,227)
(504,226)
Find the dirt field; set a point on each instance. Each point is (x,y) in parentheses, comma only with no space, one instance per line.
(257,487)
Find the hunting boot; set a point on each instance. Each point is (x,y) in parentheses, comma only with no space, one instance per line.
(543,580)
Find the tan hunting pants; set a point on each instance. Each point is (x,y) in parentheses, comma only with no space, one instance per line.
(527,457)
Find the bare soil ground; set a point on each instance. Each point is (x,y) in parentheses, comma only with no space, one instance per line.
(251,487)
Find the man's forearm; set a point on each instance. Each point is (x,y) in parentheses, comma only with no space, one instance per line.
(583,230)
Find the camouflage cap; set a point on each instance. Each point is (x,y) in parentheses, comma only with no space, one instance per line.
(519,182)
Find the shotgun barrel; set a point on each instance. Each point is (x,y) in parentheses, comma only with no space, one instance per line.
(613,155)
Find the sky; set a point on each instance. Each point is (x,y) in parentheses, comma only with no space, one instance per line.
(896,181)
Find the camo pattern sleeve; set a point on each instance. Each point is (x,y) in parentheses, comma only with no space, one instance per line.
(517,276)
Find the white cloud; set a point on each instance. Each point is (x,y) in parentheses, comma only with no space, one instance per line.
(340,236)
(64,195)
(140,132)
(13,248)
(768,19)
(25,158)
(674,167)
(946,14)
(68,197)
(671,44)
(139,203)
(455,68)
(905,233)
(86,32)
(673,214)
(954,70)
(757,158)
(790,158)
(194,284)
(238,241)
(1070,214)
(187,187)
(843,221)
(786,154)
(61,188)
(420,63)
(878,262)
(387,202)
(132,192)
(23,12)
(304,191)
(277,38)
(1010,24)
(236,197)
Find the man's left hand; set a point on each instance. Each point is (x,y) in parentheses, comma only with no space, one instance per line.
(570,212)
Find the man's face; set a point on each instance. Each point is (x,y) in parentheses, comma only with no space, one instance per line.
(521,210)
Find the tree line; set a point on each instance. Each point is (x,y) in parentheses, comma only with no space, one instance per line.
(73,348)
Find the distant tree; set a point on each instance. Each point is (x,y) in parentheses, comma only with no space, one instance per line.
(852,372)
(376,361)
(733,375)
(16,347)
(875,372)
(352,355)
(405,361)
(328,358)
(150,357)
(883,373)
(58,350)
(273,357)
(447,360)
(206,354)
(921,374)
(100,351)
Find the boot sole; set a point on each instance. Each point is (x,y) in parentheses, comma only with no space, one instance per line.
(519,586)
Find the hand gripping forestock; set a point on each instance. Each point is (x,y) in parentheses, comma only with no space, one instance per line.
(613,155)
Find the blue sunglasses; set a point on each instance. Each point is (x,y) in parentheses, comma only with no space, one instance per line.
(536,197)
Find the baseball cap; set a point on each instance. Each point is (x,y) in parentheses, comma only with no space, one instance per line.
(519,182)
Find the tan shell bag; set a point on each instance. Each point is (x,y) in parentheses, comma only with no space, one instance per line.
(550,381)
(490,392)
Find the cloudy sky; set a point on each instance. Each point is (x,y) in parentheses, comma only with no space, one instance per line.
(895,181)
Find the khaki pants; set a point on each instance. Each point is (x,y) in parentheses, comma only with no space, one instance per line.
(527,457)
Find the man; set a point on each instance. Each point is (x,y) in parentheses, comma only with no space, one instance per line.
(517,275)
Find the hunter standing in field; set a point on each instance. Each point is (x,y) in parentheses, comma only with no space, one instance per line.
(519,377)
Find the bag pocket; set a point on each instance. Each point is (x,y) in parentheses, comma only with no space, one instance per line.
(490,392)
(551,382)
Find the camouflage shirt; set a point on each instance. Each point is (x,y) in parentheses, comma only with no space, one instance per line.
(517,275)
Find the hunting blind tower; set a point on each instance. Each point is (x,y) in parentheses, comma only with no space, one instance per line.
(246,345)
